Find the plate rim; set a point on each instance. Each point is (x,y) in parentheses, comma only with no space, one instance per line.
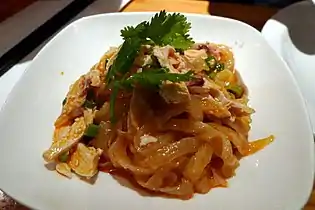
(12,93)
(266,29)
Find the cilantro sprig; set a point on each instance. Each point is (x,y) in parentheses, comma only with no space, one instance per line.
(124,60)
(163,29)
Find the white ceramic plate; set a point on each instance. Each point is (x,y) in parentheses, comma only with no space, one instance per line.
(279,177)
(291,33)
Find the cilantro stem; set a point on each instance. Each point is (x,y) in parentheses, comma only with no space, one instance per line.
(237,90)
(112,101)
(163,29)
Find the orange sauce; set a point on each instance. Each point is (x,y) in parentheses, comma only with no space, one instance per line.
(257,145)
(126,179)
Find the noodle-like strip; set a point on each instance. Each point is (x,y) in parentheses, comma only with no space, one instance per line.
(119,157)
(175,138)
(238,140)
(223,149)
(198,163)
(170,152)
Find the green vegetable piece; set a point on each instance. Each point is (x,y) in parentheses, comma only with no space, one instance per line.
(219,66)
(211,62)
(64,101)
(212,75)
(63,157)
(91,130)
(237,90)
(89,104)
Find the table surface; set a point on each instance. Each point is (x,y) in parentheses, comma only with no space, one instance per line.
(235,11)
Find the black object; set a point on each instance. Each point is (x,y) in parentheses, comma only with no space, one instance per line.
(42,33)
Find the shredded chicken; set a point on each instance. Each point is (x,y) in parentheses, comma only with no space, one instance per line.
(89,115)
(234,105)
(77,96)
(111,54)
(64,169)
(61,133)
(94,77)
(214,107)
(68,136)
(144,57)
(172,92)
(196,59)
(218,103)
(63,144)
(84,161)
(147,139)
(209,48)
(103,65)
(74,100)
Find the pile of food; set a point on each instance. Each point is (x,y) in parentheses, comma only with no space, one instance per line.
(169,112)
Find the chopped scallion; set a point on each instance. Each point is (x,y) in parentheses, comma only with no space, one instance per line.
(219,66)
(89,104)
(212,75)
(211,62)
(64,101)
(91,130)
(63,157)
(237,90)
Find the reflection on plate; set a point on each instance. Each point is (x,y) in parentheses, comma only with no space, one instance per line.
(281,174)
(291,33)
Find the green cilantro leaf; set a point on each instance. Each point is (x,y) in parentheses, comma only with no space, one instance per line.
(125,58)
(211,62)
(163,29)
(138,31)
(170,30)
